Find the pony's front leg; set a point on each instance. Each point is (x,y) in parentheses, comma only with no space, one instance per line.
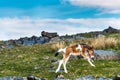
(90,61)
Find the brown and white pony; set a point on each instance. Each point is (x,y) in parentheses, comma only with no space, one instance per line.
(79,49)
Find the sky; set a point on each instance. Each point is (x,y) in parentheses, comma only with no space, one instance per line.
(25,18)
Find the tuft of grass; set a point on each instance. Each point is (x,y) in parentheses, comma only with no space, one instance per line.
(98,42)
(105,43)
(58,45)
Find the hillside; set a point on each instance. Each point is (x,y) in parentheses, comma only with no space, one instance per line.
(109,30)
(39,61)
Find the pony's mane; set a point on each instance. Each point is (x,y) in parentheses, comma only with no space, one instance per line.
(86,46)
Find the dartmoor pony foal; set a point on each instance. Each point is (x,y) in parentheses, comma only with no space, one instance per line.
(78,49)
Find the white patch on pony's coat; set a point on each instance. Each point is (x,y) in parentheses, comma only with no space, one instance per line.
(79,47)
(92,56)
(62,50)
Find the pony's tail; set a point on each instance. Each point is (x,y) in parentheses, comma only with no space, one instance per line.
(57,53)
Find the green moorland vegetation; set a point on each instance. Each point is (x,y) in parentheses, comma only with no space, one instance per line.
(1,42)
(36,60)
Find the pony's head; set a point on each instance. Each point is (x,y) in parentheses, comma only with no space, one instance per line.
(91,53)
(90,50)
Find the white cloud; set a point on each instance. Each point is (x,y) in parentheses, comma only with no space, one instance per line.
(14,28)
(108,6)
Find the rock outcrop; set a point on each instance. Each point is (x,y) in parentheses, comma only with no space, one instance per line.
(49,35)
(110,30)
(44,38)
(106,55)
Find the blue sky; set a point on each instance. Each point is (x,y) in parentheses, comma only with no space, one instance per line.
(43,9)
(20,18)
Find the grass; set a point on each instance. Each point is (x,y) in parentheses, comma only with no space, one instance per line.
(116,35)
(25,60)
(1,42)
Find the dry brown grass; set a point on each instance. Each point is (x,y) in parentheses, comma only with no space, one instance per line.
(97,43)
(63,44)
(103,42)
(111,42)
(58,45)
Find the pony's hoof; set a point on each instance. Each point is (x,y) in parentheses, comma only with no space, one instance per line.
(66,72)
(56,71)
(93,65)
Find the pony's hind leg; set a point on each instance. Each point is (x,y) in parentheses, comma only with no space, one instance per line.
(64,63)
(60,63)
